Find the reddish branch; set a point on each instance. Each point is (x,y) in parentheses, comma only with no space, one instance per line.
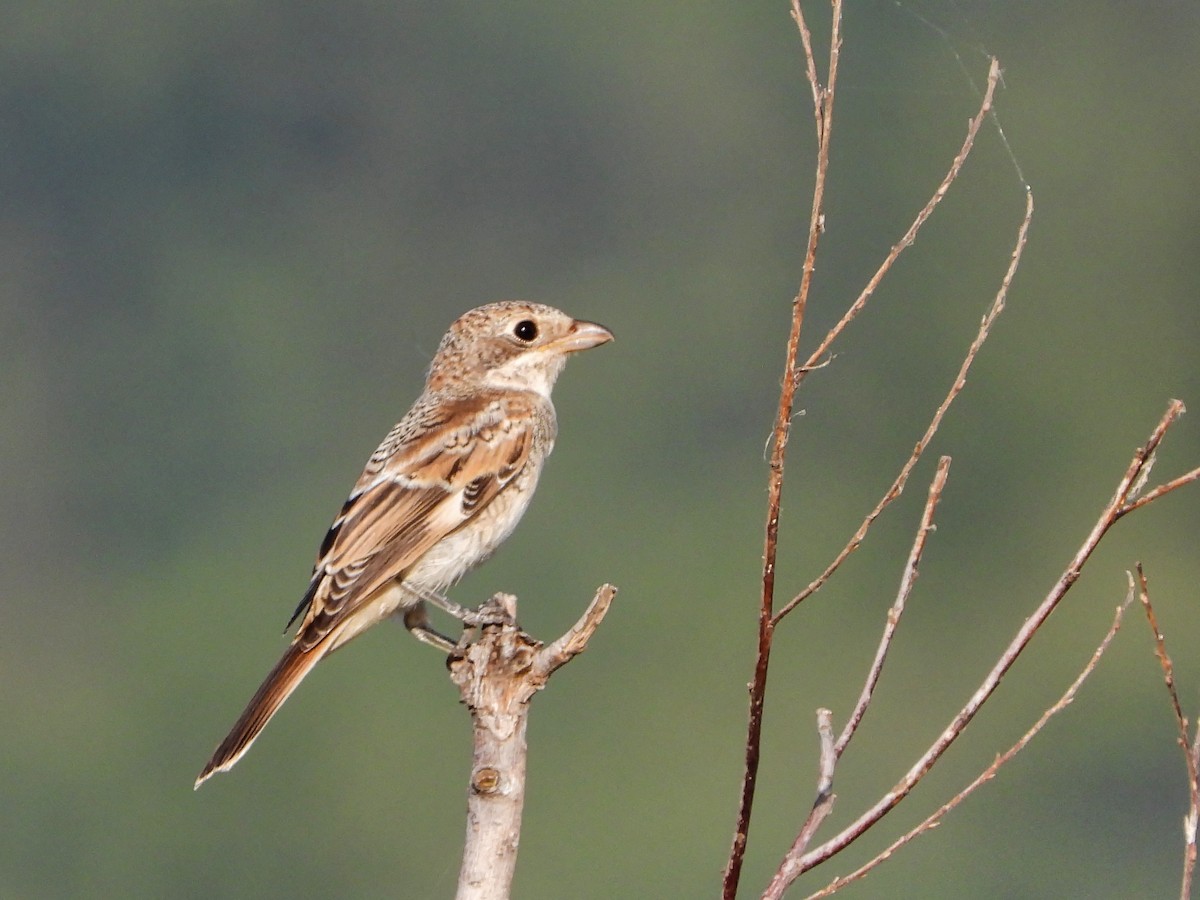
(1191,747)
(823,102)
(823,110)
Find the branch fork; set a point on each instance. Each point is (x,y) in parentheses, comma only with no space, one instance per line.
(498,668)
(1129,496)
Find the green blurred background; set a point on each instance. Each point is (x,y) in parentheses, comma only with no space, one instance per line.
(230,238)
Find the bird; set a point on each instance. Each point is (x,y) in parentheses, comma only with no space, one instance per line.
(445,488)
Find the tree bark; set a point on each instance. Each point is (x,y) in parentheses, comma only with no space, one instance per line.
(497,675)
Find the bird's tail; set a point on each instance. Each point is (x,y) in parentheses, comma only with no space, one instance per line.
(277,687)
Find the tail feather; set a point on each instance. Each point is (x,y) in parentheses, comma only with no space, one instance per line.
(276,688)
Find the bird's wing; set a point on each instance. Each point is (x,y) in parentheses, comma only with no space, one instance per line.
(435,471)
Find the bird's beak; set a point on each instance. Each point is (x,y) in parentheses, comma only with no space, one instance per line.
(582,336)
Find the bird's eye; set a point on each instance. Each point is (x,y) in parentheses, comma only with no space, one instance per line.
(525,330)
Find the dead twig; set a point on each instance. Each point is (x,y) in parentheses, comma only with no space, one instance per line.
(989,773)
(1114,510)
(823,101)
(788,869)
(1128,497)
(960,380)
(823,97)
(897,609)
(910,236)
(1191,747)
(1166,488)
(822,807)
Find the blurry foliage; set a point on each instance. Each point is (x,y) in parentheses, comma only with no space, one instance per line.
(232,234)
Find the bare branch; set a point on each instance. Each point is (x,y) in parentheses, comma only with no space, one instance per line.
(789,868)
(990,772)
(562,651)
(497,675)
(910,236)
(897,609)
(1165,488)
(822,806)
(960,381)
(810,65)
(1134,498)
(1108,517)
(1190,748)
(823,110)
(823,98)
(1125,500)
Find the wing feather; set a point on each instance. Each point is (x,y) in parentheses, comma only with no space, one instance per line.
(424,482)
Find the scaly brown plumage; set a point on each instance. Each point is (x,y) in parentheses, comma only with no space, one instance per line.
(444,489)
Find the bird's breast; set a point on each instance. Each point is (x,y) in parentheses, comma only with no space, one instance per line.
(477,539)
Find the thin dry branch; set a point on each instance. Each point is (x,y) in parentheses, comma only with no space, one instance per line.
(823,805)
(960,381)
(823,101)
(1108,517)
(823,96)
(1191,748)
(897,489)
(910,236)
(990,772)
(897,610)
(1165,488)
(788,869)
(1126,499)
(810,63)
(497,675)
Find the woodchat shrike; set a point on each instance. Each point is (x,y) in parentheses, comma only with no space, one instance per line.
(445,488)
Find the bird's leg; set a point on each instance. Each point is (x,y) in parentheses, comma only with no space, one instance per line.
(445,604)
(416,620)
